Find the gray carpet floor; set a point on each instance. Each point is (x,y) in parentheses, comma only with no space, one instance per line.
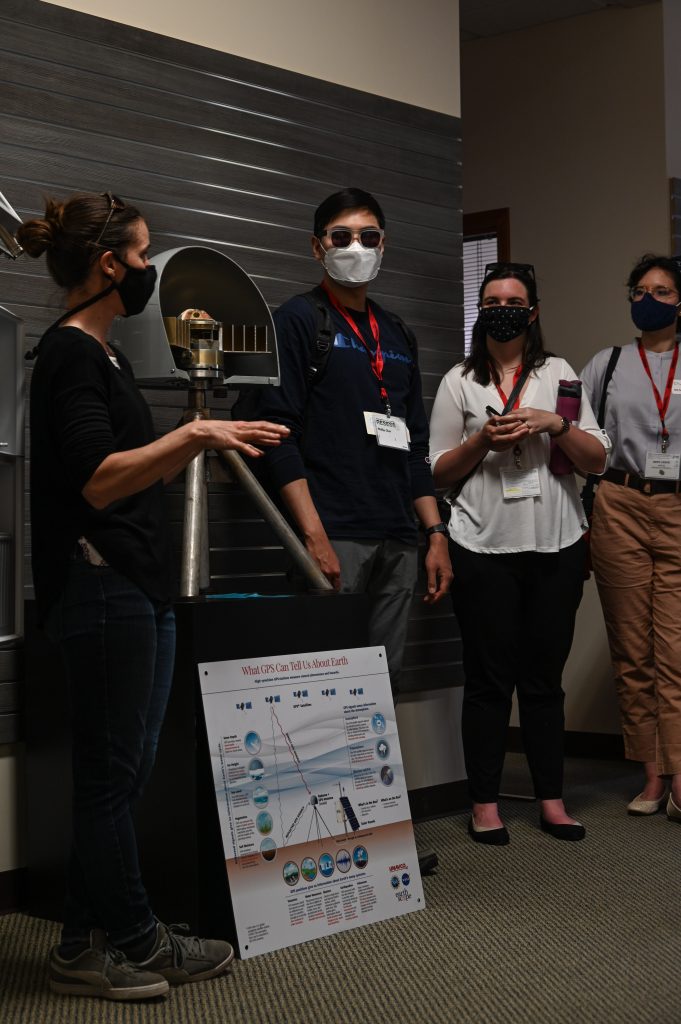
(539,932)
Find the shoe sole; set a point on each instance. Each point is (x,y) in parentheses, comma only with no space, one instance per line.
(175,977)
(73,988)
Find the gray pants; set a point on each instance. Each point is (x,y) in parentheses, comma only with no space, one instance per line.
(386,571)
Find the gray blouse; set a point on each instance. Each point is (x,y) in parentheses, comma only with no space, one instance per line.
(632,421)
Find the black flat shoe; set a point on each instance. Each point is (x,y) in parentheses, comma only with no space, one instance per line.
(569,832)
(489,836)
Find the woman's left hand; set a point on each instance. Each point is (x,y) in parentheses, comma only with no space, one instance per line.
(539,421)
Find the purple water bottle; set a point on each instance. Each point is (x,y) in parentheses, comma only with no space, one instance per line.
(567,404)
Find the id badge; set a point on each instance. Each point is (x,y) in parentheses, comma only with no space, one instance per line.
(389,431)
(520,483)
(662,466)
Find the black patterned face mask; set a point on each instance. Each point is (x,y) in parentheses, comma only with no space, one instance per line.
(504,323)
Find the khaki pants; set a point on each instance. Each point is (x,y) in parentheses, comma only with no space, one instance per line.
(636,553)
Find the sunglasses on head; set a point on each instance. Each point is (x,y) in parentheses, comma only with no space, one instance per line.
(523,268)
(341,237)
(114,204)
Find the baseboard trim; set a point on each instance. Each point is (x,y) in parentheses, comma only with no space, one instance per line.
(12,890)
(602,745)
(439,801)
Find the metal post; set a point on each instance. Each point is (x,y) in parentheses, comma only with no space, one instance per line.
(271,514)
(194,508)
(195,572)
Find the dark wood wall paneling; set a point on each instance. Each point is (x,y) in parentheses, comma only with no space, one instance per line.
(223,151)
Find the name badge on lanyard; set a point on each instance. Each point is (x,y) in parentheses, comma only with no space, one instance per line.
(662,466)
(391,432)
(520,483)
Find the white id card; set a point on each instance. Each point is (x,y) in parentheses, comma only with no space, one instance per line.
(676,386)
(390,431)
(520,483)
(662,466)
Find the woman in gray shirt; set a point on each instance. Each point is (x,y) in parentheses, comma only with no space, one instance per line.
(636,530)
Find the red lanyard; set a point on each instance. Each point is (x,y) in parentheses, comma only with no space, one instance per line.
(376,358)
(662,403)
(516,378)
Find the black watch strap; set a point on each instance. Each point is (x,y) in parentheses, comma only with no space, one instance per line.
(438,528)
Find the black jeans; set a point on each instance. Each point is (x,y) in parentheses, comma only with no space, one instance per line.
(119,649)
(517,616)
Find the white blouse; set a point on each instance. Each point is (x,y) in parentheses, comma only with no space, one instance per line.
(482,519)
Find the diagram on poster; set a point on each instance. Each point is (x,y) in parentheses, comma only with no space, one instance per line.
(311,795)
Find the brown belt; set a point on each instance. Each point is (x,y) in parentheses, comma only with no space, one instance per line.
(639,483)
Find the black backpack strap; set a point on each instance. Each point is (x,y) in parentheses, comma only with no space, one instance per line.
(323,343)
(609,370)
(592,480)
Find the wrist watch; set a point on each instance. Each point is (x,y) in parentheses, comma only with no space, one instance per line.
(438,528)
(564,429)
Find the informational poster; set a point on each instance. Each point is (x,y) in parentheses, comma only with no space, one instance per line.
(311,795)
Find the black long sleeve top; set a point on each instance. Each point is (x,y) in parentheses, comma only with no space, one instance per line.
(83,408)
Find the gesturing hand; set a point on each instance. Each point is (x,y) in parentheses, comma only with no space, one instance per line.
(241,435)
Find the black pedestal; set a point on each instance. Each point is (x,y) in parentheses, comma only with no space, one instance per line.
(183,863)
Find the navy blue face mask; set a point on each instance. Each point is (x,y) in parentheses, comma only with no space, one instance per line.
(649,314)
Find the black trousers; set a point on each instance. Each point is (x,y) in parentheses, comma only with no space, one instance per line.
(517,617)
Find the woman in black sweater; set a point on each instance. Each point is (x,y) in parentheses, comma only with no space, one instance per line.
(100,556)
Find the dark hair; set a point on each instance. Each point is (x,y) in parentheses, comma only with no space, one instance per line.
(74,232)
(346,199)
(534,353)
(670,265)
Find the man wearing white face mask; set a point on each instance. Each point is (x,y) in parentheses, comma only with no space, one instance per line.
(353,474)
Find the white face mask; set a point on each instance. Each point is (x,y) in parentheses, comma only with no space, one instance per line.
(354,265)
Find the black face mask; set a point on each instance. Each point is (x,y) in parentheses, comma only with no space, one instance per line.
(504,323)
(136,288)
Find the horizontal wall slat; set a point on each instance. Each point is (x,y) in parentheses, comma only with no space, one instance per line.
(65,26)
(103,61)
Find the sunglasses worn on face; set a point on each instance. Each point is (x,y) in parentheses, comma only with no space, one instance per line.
(341,238)
(115,204)
(524,268)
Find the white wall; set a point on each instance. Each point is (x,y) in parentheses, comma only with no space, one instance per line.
(393,48)
(672,77)
(565,124)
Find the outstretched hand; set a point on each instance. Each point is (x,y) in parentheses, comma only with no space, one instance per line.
(243,435)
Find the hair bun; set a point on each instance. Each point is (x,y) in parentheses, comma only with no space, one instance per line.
(41,234)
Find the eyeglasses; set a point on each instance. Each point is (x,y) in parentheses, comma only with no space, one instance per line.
(523,268)
(115,204)
(341,237)
(659,292)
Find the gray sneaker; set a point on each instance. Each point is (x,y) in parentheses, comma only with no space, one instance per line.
(104,972)
(182,957)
